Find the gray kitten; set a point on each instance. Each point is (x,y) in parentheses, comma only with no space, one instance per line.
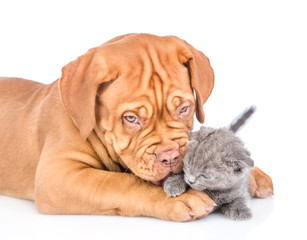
(217,163)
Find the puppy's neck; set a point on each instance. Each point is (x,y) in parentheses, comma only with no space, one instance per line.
(107,155)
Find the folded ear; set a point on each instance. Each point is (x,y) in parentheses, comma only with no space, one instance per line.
(247,158)
(202,78)
(249,162)
(244,163)
(78,87)
(238,164)
(192,145)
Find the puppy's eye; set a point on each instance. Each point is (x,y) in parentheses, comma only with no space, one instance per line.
(131,119)
(184,109)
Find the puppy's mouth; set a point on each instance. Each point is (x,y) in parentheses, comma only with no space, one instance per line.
(160,182)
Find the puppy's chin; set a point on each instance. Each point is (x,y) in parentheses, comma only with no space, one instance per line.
(144,163)
(149,169)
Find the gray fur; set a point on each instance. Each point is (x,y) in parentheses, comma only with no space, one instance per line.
(239,122)
(218,163)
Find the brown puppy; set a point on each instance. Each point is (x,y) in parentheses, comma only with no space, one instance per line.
(119,115)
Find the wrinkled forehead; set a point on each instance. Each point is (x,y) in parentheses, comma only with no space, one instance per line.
(149,69)
(168,85)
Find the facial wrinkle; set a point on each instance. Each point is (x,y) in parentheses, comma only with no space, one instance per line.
(160,77)
(146,73)
(158,93)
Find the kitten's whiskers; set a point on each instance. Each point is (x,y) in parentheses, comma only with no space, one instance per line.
(210,193)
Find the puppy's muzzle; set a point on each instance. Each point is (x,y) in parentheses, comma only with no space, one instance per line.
(169,158)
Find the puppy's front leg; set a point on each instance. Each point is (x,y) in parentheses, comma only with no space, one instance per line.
(72,187)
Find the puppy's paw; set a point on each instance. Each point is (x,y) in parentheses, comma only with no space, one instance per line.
(189,206)
(261,184)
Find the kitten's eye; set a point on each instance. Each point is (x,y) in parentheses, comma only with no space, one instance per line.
(204,176)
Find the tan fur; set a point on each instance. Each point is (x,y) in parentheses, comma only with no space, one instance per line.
(261,185)
(65,145)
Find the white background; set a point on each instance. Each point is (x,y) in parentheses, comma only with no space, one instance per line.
(259,55)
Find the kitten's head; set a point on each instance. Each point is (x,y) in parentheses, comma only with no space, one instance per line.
(216,160)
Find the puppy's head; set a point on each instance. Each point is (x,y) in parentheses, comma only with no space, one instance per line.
(137,90)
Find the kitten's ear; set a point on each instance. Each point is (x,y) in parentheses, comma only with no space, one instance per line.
(245,162)
(249,162)
(246,158)
(204,132)
(193,135)
(189,156)
(238,165)
(192,145)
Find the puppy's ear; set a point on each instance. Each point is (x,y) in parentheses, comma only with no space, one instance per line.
(78,87)
(202,78)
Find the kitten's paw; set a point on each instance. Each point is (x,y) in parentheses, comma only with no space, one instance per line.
(261,184)
(174,185)
(174,191)
(242,213)
(236,210)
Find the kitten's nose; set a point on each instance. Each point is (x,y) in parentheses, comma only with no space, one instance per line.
(191,179)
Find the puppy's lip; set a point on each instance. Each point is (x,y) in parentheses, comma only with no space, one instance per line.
(175,167)
(160,182)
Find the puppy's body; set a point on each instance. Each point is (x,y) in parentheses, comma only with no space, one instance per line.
(21,105)
(48,154)
(127,104)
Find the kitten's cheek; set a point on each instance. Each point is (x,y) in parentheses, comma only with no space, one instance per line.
(196,187)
